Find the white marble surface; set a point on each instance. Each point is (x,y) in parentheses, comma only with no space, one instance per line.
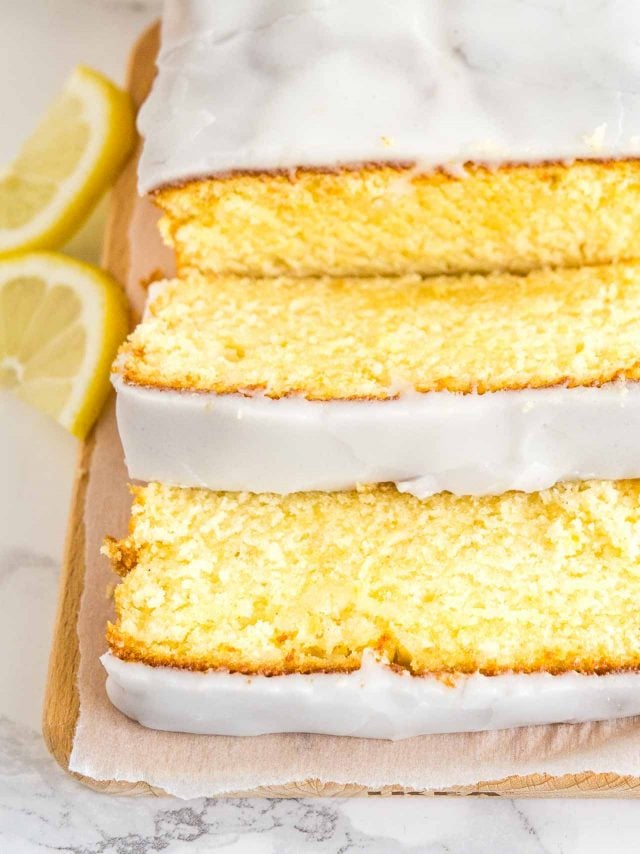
(41,809)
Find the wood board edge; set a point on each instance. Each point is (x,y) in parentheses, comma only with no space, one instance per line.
(61,700)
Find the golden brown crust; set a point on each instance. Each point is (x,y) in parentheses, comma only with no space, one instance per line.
(133,377)
(156,275)
(438,173)
(122,555)
(127,650)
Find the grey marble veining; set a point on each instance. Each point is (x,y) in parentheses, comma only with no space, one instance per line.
(41,809)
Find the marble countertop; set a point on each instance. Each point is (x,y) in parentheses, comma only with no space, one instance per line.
(42,809)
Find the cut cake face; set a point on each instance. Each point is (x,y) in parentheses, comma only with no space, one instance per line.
(473,146)
(308,582)
(373,339)
(388,221)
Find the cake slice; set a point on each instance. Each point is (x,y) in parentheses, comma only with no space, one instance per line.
(372,613)
(392,220)
(474,385)
(374,138)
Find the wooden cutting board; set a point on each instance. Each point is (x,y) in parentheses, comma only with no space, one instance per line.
(61,699)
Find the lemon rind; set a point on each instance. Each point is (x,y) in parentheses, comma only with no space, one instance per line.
(59,221)
(105,316)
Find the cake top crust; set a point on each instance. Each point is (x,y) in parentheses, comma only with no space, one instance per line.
(252,86)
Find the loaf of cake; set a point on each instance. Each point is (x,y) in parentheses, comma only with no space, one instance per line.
(438,615)
(475,384)
(374,138)
(388,412)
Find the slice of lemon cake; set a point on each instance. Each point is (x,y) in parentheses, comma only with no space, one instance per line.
(474,385)
(374,138)
(375,614)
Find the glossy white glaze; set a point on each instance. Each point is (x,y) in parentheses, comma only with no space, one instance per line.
(476,444)
(258,86)
(373,702)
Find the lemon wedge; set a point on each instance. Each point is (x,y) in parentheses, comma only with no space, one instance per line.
(67,163)
(61,322)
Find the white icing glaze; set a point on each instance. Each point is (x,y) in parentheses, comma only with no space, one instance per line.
(426,443)
(373,702)
(247,85)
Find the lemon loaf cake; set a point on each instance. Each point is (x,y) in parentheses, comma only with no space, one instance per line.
(374,138)
(373,613)
(474,384)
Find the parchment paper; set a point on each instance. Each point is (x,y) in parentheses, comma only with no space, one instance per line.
(108,746)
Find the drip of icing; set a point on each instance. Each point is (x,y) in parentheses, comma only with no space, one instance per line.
(262,86)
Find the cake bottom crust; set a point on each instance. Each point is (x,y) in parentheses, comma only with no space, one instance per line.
(375,701)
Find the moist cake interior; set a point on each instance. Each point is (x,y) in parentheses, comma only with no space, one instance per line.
(307,582)
(374,338)
(390,221)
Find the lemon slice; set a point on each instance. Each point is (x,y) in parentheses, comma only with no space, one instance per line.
(65,166)
(61,322)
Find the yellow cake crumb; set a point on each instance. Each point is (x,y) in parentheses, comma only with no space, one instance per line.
(306,582)
(388,220)
(362,338)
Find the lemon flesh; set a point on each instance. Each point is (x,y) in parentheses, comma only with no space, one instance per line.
(65,166)
(61,322)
